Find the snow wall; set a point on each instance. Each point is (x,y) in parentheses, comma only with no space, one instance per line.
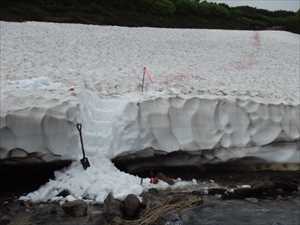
(234,126)
(39,129)
(113,125)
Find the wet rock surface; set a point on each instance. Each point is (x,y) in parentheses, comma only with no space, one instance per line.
(267,200)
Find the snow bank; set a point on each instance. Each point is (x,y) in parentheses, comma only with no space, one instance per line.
(37,116)
(237,91)
(230,128)
(199,123)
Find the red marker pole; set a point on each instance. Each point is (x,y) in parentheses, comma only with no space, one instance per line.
(143,81)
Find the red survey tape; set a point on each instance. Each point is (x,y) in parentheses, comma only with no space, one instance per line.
(148,74)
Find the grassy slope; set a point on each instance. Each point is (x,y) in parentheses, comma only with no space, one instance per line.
(143,13)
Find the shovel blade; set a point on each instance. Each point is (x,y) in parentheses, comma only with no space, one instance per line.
(85,163)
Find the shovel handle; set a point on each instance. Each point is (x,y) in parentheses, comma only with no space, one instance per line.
(79,126)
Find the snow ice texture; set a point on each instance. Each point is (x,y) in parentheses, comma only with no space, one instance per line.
(237,92)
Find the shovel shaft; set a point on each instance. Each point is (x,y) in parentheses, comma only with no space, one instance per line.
(79,128)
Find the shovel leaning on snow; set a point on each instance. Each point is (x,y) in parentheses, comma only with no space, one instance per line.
(84,161)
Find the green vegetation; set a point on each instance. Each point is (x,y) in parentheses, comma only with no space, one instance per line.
(157,13)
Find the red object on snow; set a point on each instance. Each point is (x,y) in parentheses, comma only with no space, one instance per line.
(148,74)
(153,180)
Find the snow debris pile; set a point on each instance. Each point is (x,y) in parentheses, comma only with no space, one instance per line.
(93,184)
(204,90)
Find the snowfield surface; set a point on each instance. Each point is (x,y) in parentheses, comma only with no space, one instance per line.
(237,92)
(235,63)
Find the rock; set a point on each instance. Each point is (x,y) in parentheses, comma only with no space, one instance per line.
(112,208)
(286,186)
(166,179)
(171,218)
(4,220)
(77,208)
(53,210)
(264,189)
(253,200)
(241,193)
(17,153)
(151,200)
(97,218)
(131,207)
(216,191)
(279,197)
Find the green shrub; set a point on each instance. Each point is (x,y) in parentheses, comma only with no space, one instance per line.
(186,6)
(160,13)
(293,23)
(163,7)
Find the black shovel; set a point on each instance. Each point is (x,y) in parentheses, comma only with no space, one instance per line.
(84,161)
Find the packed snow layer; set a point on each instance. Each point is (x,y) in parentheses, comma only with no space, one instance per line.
(236,91)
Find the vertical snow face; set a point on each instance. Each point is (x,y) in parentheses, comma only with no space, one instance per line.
(38,115)
(100,118)
(50,125)
(40,130)
(112,125)
(174,123)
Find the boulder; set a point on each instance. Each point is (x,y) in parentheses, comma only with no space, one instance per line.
(131,206)
(112,208)
(5,220)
